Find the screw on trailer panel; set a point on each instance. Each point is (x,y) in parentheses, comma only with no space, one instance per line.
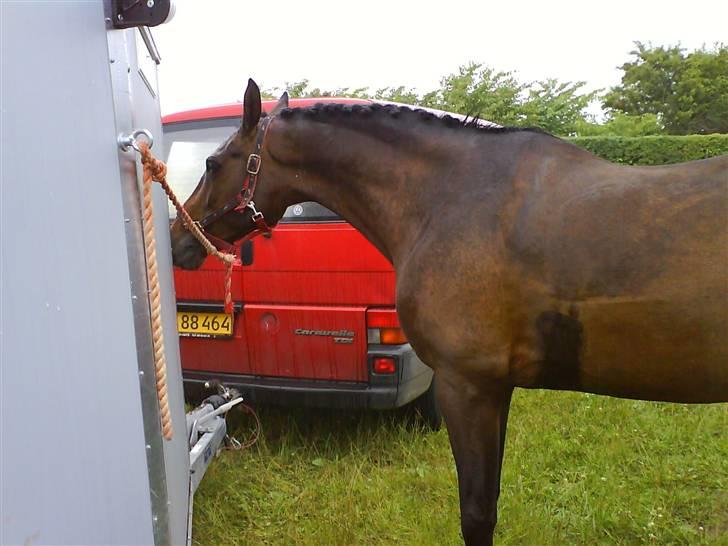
(150,3)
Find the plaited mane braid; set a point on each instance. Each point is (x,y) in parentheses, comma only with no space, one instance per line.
(329,112)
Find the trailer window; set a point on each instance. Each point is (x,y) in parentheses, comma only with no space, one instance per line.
(187,146)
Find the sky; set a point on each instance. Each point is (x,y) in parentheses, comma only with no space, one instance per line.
(210,48)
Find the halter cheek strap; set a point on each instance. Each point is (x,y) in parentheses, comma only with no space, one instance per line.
(244,198)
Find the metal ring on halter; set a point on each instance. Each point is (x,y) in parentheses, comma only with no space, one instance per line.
(130,141)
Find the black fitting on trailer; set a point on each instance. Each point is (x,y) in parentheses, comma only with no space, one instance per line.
(140,13)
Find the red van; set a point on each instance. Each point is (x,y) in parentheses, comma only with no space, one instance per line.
(314,321)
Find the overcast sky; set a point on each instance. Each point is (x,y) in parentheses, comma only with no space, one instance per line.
(210,48)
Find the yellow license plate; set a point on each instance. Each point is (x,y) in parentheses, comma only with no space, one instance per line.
(204,324)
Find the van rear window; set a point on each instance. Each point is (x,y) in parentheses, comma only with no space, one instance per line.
(309,212)
(187,146)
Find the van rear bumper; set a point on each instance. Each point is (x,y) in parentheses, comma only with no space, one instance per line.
(411,379)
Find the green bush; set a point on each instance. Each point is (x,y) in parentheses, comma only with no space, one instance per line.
(654,150)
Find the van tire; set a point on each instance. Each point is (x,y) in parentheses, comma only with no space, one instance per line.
(426,411)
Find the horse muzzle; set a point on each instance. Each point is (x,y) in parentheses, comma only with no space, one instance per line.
(187,252)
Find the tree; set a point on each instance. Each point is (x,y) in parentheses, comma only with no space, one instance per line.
(688,93)
(555,106)
(301,89)
(399,94)
(480,91)
(477,90)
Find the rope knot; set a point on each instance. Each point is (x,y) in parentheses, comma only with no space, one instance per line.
(157,168)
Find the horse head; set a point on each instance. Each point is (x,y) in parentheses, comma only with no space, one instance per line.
(222,203)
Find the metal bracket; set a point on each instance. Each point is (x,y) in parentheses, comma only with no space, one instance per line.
(131,140)
(141,13)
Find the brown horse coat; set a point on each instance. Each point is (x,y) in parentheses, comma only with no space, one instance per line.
(521,260)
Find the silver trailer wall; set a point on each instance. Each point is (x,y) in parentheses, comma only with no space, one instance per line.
(82,460)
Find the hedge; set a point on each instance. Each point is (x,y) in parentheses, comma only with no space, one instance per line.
(654,150)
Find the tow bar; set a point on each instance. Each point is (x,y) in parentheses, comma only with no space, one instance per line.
(206,431)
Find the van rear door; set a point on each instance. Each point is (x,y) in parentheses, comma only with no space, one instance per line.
(307,289)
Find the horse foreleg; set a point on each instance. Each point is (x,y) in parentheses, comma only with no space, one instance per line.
(476,418)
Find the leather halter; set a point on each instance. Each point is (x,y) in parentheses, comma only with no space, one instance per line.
(243,200)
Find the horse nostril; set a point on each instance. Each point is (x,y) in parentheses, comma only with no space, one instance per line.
(187,253)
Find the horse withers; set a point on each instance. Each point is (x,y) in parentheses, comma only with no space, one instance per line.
(521,260)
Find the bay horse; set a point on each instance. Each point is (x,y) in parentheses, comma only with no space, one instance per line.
(521,260)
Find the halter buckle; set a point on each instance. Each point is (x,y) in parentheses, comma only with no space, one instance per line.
(253,166)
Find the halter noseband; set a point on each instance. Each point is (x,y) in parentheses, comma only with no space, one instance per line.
(244,198)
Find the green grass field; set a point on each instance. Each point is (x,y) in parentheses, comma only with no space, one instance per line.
(579,469)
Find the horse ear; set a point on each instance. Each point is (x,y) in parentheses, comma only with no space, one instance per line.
(251,106)
(282,103)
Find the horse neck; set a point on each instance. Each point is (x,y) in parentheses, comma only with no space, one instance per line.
(382,188)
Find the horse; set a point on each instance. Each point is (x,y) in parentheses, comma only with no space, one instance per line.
(521,260)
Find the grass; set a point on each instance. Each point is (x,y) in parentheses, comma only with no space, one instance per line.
(578,469)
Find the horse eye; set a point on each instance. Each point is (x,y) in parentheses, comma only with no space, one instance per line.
(212,165)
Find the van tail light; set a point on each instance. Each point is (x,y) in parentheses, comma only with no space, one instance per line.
(386,336)
(392,336)
(383,327)
(384,365)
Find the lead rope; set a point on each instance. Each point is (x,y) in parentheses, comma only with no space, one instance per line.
(157,170)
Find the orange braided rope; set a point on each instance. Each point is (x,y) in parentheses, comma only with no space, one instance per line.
(157,170)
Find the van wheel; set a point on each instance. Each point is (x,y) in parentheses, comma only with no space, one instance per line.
(426,411)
